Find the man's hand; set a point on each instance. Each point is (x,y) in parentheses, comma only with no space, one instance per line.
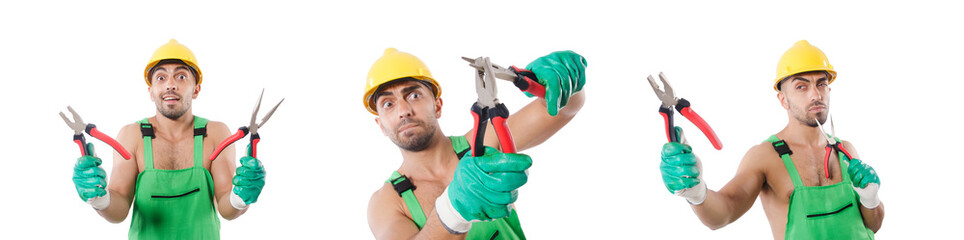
(248,182)
(90,180)
(681,170)
(563,73)
(865,183)
(482,189)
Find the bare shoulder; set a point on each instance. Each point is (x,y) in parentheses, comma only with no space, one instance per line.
(129,135)
(759,154)
(383,208)
(847,145)
(217,130)
(381,198)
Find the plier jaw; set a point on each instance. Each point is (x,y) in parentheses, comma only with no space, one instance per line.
(523,79)
(668,100)
(80,128)
(243,131)
(488,107)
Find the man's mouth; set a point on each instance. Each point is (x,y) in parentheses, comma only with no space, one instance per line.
(406,127)
(171,99)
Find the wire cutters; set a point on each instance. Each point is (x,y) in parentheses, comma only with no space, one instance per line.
(523,79)
(669,100)
(79,128)
(831,145)
(244,130)
(488,107)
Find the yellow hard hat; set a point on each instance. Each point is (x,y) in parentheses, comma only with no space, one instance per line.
(802,57)
(395,65)
(172,50)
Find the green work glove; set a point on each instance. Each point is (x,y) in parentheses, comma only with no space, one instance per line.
(563,73)
(90,180)
(681,170)
(248,181)
(865,183)
(482,189)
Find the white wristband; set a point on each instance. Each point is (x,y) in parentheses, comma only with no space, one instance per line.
(694,195)
(868,195)
(450,218)
(100,203)
(237,202)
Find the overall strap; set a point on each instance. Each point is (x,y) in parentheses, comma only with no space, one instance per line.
(784,151)
(405,189)
(147,131)
(200,131)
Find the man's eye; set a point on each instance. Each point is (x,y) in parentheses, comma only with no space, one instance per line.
(182,77)
(415,95)
(386,104)
(160,78)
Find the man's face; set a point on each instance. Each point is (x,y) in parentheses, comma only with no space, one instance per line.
(408,114)
(173,87)
(806,96)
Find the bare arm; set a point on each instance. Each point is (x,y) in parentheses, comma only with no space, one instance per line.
(532,125)
(387,222)
(873,218)
(735,198)
(123,176)
(222,170)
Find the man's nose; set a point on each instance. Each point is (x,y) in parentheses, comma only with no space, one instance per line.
(816,94)
(170,85)
(404,109)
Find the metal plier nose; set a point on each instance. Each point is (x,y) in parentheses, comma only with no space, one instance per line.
(669,99)
(80,127)
(488,107)
(244,130)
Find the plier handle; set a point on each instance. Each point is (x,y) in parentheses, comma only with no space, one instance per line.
(831,145)
(244,130)
(669,100)
(80,128)
(488,107)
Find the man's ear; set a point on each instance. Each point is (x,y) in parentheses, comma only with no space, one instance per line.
(378,121)
(783,100)
(149,94)
(197,89)
(438,107)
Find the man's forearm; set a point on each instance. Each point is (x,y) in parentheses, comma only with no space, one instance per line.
(119,206)
(227,210)
(715,212)
(873,218)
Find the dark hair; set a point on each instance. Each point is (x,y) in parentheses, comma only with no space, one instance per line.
(371,99)
(175,61)
(780,84)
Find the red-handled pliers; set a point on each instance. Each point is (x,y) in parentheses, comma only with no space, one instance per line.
(80,127)
(244,130)
(523,79)
(488,107)
(669,100)
(831,145)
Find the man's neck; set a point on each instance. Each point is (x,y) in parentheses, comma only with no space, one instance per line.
(800,133)
(174,127)
(433,162)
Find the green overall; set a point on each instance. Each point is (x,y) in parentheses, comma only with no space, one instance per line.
(821,212)
(507,228)
(174,204)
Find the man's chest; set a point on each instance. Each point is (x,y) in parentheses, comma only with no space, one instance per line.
(810,169)
(170,154)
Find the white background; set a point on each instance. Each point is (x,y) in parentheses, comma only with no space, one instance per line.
(896,98)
